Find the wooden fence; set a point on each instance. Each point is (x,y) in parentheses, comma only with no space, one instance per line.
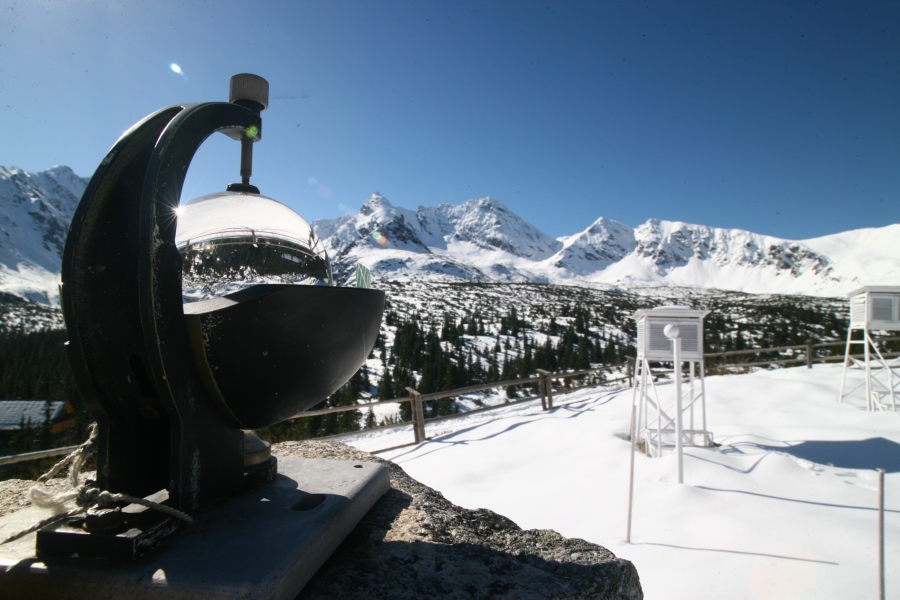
(718,360)
(544,379)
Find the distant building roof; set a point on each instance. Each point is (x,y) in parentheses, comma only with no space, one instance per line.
(12,411)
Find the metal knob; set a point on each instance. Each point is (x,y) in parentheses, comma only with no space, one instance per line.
(249,90)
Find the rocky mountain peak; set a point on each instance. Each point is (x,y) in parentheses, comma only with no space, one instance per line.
(374,203)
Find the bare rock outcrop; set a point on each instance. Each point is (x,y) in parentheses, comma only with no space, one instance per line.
(414,544)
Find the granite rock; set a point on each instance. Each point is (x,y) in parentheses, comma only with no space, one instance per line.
(414,543)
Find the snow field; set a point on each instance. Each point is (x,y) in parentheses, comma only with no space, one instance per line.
(785,508)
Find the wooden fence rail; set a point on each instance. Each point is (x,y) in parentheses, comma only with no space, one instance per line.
(480,388)
(559,392)
(26,456)
(544,379)
(756,351)
(809,355)
(806,359)
(454,392)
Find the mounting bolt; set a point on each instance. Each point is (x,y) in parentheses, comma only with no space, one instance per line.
(252,92)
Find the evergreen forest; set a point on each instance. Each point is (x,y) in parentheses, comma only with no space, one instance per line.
(443,336)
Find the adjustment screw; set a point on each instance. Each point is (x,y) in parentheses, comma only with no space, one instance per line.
(249,90)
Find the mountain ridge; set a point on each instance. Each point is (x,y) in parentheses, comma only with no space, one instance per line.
(482,240)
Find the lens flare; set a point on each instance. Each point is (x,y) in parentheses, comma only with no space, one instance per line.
(324,191)
(312,181)
(380,238)
(252,131)
(177,70)
(342,207)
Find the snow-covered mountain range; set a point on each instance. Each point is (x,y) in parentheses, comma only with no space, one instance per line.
(482,240)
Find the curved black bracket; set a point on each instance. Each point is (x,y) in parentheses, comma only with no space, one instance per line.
(121,296)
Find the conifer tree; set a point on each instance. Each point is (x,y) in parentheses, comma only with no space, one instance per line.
(385,385)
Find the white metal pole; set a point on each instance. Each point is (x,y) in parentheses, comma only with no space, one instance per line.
(703,400)
(880,534)
(846,358)
(631,474)
(642,406)
(679,429)
(673,334)
(692,396)
(869,404)
(659,410)
(634,390)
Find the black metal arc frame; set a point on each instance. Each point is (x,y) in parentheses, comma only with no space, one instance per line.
(121,298)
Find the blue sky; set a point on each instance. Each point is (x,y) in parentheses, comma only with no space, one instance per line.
(781,117)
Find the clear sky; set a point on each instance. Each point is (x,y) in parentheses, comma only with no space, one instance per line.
(778,117)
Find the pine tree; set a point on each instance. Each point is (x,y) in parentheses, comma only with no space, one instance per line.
(385,386)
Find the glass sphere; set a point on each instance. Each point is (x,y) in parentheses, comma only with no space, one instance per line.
(229,241)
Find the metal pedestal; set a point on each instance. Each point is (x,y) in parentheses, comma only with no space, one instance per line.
(266,543)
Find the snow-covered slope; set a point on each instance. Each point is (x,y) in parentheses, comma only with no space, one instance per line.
(675,253)
(35,211)
(482,240)
(862,257)
(784,508)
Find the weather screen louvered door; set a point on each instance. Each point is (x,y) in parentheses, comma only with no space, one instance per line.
(658,341)
(659,347)
(690,336)
(883,311)
(640,334)
(858,310)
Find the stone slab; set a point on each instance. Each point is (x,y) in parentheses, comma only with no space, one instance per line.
(264,544)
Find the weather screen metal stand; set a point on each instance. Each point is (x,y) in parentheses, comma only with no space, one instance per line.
(873,308)
(177,388)
(657,419)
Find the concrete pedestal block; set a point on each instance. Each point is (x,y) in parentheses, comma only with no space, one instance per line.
(266,543)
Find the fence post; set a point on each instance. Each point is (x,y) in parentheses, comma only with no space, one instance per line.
(543,393)
(809,351)
(629,370)
(549,392)
(418,415)
(548,387)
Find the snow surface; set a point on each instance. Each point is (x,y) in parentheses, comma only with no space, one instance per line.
(785,508)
